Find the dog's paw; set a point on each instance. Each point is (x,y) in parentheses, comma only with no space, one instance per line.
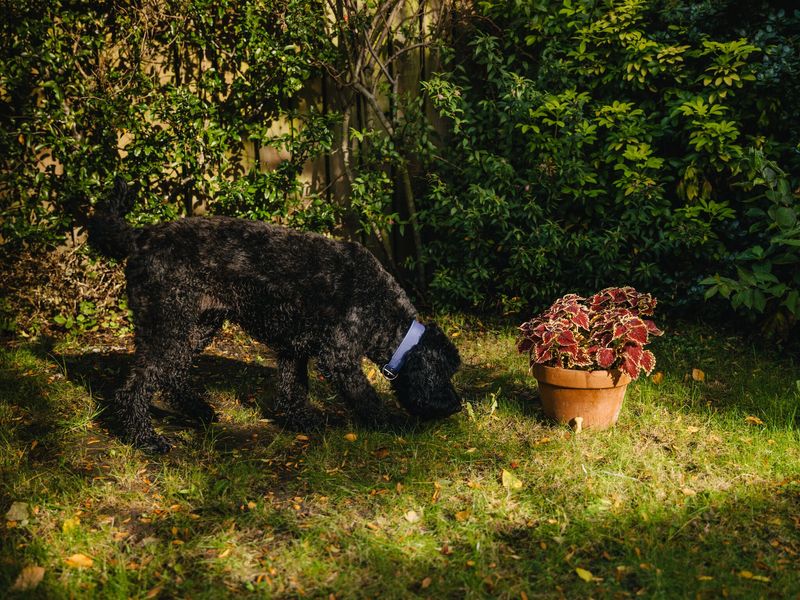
(205,414)
(309,419)
(152,442)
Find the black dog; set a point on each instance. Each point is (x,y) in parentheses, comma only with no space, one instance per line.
(305,295)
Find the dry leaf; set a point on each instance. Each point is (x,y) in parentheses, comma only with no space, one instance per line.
(18,512)
(446,550)
(753,420)
(692,429)
(301,438)
(698,375)
(224,553)
(658,377)
(382,452)
(28,578)
(79,561)
(154,592)
(426,583)
(412,516)
(351,437)
(462,515)
(584,574)
(510,481)
(688,492)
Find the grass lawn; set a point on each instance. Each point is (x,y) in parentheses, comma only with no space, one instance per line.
(696,491)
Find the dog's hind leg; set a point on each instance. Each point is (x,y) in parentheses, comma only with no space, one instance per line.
(292,401)
(132,407)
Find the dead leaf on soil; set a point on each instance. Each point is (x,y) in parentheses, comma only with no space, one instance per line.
(351,437)
(426,583)
(753,420)
(79,561)
(18,512)
(510,481)
(698,375)
(28,578)
(658,378)
(412,516)
(462,515)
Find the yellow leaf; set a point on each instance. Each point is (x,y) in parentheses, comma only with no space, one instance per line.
(412,516)
(583,574)
(745,575)
(351,437)
(462,515)
(698,375)
(692,429)
(79,561)
(704,578)
(510,481)
(658,377)
(70,524)
(28,578)
(224,553)
(753,420)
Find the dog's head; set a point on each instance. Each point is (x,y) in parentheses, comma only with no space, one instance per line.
(423,385)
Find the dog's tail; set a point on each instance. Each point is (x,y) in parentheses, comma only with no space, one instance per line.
(109,233)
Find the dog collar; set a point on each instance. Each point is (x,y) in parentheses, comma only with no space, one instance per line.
(411,339)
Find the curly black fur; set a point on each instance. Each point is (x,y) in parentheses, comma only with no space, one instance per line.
(305,295)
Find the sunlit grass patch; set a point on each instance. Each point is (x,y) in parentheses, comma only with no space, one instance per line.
(694,490)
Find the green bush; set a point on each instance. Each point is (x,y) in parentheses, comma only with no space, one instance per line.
(595,144)
(168,93)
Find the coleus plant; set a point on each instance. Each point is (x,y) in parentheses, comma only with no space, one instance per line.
(605,331)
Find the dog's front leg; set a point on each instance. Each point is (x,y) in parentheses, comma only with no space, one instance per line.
(361,397)
(292,401)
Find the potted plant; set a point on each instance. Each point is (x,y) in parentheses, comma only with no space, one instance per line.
(585,351)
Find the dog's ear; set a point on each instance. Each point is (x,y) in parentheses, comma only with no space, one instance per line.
(437,340)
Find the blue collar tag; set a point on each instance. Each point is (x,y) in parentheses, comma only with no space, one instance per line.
(391,369)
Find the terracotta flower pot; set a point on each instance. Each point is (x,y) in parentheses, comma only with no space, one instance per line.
(596,396)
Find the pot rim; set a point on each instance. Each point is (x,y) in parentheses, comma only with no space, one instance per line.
(576,378)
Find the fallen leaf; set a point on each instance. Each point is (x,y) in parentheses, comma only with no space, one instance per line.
(705,578)
(692,429)
(446,550)
(28,578)
(301,438)
(584,574)
(381,452)
(698,375)
(753,420)
(351,437)
(18,512)
(426,583)
(462,515)
(153,593)
(224,553)
(70,524)
(688,492)
(658,378)
(79,561)
(510,481)
(412,516)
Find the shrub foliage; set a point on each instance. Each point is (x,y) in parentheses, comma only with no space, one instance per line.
(601,143)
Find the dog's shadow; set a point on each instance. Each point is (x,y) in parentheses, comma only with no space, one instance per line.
(226,381)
